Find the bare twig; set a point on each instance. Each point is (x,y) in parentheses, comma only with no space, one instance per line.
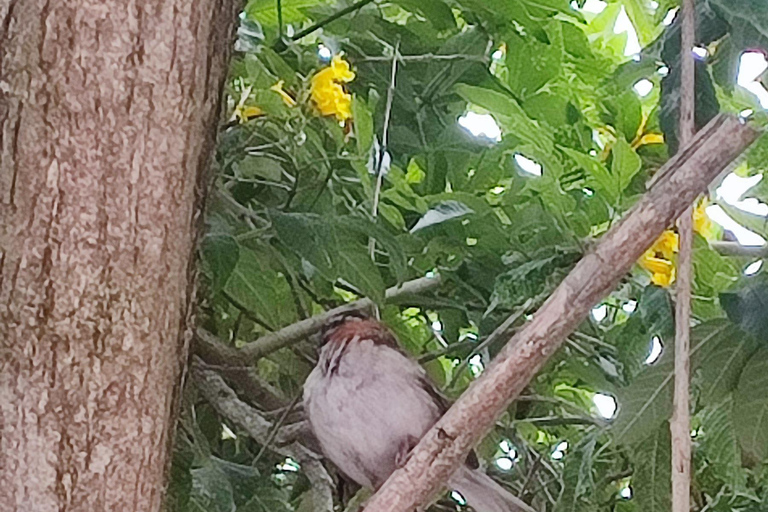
(333,17)
(222,398)
(446,445)
(213,351)
(680,424)
(383,148)
(276,428)
(425,57)
(500,332)
(736,249)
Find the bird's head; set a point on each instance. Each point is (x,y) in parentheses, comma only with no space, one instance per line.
(341,320)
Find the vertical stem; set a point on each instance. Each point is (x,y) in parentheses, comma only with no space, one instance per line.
(280,19)
(380,171)
(680,425)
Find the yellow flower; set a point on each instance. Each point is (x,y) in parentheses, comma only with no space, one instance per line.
(341,70)
(658,259)
(327,91)
(667,244)
(701,223)
(287,99)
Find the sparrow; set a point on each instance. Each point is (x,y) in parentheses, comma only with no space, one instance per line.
(369,404)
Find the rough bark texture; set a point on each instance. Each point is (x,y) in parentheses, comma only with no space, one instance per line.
(107,122)
(446,445)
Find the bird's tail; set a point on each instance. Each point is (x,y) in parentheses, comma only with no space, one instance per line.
(485,495)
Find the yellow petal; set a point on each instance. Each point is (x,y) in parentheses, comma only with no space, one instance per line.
(656,265)
(667,244)
(664,279)
(648,138)
(246,112)
(341,70)
(287,99)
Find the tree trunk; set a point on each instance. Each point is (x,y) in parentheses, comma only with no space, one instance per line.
(107,124)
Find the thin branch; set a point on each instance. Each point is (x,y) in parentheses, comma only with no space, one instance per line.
(216,352)
(680,424)
(280,19)
(431,356)
(558,421)
(500,332)
(250,315)
(224,400)
(445,446)
(330,19)
(736,249)
(383,148)
(276,428)
(424,57)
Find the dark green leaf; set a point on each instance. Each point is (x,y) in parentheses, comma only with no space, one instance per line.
(750,409)
(652,482)
(221,253)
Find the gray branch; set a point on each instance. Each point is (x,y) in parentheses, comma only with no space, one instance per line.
(222,398)
(216,352)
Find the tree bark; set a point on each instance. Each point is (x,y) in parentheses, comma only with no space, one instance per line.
(680,423)
(108,112)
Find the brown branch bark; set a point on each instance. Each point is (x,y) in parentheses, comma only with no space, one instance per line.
(215,352)
(446,445)
(680,424)
(108,112)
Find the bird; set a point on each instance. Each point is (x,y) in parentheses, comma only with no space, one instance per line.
(368,404)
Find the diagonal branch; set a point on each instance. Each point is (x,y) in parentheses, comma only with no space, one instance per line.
(222,398)
(447,444)
(215,352)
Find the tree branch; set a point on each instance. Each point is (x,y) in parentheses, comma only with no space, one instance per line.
(446,445)
(213,351)
(736,249)
(680,424)
(330,19)
(222,398)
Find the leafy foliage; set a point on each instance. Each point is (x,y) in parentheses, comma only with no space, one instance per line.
(310,213)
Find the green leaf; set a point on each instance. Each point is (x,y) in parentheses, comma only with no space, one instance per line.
(718,442)
(358,269)
(261,290)
(443,212)
(260,167)
(750,408)
(647,402)
(718,367)
(221,253)
(603,181)
(747,307)
(363,126)
(751,221)
(578,484)
(509,113)
(641,16)
(532,63)
(748,20)
(652,481)
(626,163)
(437,12)
(211,490)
